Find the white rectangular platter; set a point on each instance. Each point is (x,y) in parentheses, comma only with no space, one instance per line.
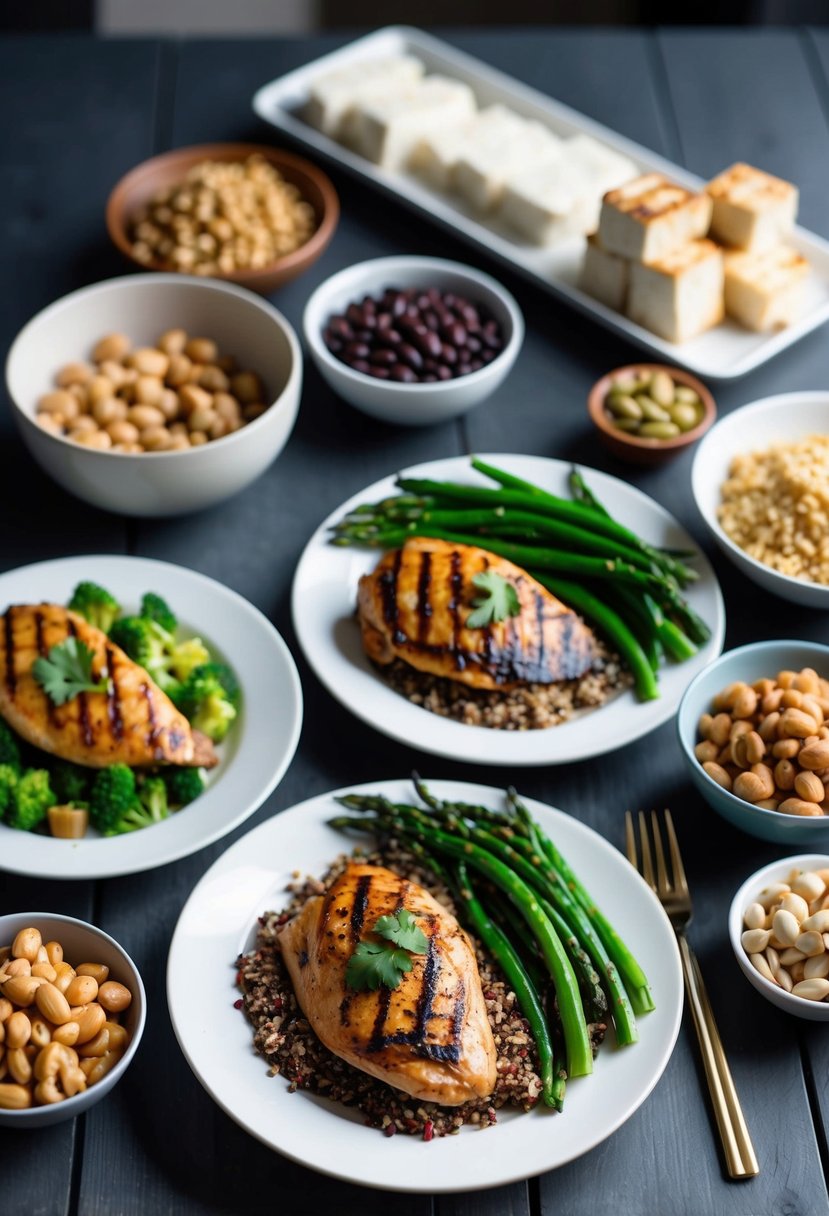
(723,353)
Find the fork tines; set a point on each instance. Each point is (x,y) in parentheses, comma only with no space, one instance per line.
(660,881)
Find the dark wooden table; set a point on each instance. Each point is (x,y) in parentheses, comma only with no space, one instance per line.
(78,113)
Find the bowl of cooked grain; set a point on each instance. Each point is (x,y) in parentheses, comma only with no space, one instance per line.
(760,480)
(248,213)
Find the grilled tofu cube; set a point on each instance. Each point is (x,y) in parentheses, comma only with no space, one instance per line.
(605,276)
(765,290)
(752,210)
(332,95)
(386,129)
(650,217)
(498,149)
(680,296)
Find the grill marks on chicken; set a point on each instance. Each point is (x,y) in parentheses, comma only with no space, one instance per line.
(430,1036)
(415,604)
(133,723)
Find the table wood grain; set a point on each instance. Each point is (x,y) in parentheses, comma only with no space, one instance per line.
(78,113)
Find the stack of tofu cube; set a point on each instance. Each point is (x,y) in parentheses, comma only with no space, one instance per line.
(545,188)
(677,261)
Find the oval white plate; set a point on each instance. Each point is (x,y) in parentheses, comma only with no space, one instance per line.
(254,756)
(325,596)
(219,921)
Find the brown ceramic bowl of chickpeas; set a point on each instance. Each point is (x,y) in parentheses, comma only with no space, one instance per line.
(156,394)
(72,1008)
(248,213)
(647,413)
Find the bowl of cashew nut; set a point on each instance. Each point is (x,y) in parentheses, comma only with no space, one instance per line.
(72,1012)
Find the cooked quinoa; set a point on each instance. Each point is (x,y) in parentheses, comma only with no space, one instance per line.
(531,707)
(283,1036)
(775,506)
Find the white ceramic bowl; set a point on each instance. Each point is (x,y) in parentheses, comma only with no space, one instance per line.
(785,418)
(82,943)
(813,1011)
(411,404)
(143,306)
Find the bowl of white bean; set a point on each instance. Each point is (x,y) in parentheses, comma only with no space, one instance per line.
(779,930)
(156,394)
(72,1012)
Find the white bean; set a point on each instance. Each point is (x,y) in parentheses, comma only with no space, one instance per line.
(795,904)
(755,916)
(758,961)
(812,990)
(786,927)
(754,941)
(816,967)
(810,944)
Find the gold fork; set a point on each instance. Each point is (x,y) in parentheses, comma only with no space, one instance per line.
(674,895)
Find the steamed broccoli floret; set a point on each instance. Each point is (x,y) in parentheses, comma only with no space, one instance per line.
(150,808)
(69,781)
(95,604)
(209,699)
(154,608)
(8,784)
(183,785)
(9,747)
(113,794)
(158,652)
(31,798)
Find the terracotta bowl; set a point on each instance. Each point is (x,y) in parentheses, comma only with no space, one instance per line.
(141,183)
(638,450)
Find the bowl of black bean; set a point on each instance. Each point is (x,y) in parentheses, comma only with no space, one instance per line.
(413,340)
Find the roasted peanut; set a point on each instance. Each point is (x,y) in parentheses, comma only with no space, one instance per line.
(114,997)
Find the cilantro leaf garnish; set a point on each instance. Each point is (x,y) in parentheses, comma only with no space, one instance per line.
(404,931)
(67,671)
(499,601)
(385,963)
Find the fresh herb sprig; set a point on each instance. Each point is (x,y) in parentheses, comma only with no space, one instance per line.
(376,964)
(499,601)
(67,671)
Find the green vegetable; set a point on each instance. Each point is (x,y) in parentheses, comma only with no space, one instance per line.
(385,963)
(183,784)
(9,747)
(30,801)
(155,649)
(67,671)
(154,608)
(209,699)
(499,601)
(69,781)
(95,604)
(9,775)
(112,796)
(187,656)
(151,807)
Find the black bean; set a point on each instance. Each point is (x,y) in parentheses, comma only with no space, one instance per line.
(369,306)
(403,373)
(475,365)
(473,345)
(356,315)
(357,350)
(449,354)
(379,373)
(429,343)
(408,354)
(334,345)
(429,378)
(340,327)
(383,357)
(391,337)
(488,355)
(384,320)
(456,334)
(444,372)
(430,319)
(398,304)
(463,369)
(359,365)
(364,335)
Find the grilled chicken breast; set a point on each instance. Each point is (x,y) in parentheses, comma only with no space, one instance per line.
(430,1036)
(134,723)
(415,604)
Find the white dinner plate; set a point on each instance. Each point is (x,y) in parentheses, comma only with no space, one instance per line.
(721,353)
(253,757)
(219,921)
(325,596)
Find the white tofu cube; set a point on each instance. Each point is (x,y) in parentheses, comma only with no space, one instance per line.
(682,295)
(752,210)
(498,149)
(605,276)
(765,290)
(605,168)
(386,129)
(332,95)
(548,204)
(435,156)
(650,217)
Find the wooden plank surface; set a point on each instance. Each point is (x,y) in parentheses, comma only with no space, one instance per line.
(170,1147)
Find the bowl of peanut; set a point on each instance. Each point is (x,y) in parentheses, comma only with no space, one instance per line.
(156,394)
(754,731)
(778,925)
(251,214)
(72,1012)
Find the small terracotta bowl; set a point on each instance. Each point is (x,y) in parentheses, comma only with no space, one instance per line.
(141,183)
(638,450)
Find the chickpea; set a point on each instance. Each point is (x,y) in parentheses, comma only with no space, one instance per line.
(202,350)
(169,404)
(60,402)
(149,390)
(92,439)
(148,361)
(113,347)
(214,380)
(50,423)
(110,409)
(178,370)
(201,419)
(246,387)
(172,341)
(194,398)
(155,439)
(73,373)
(121,431)
(144,416)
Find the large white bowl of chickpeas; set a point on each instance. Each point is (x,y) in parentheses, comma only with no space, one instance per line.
(72,1012)
(754,730)
(156,394)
